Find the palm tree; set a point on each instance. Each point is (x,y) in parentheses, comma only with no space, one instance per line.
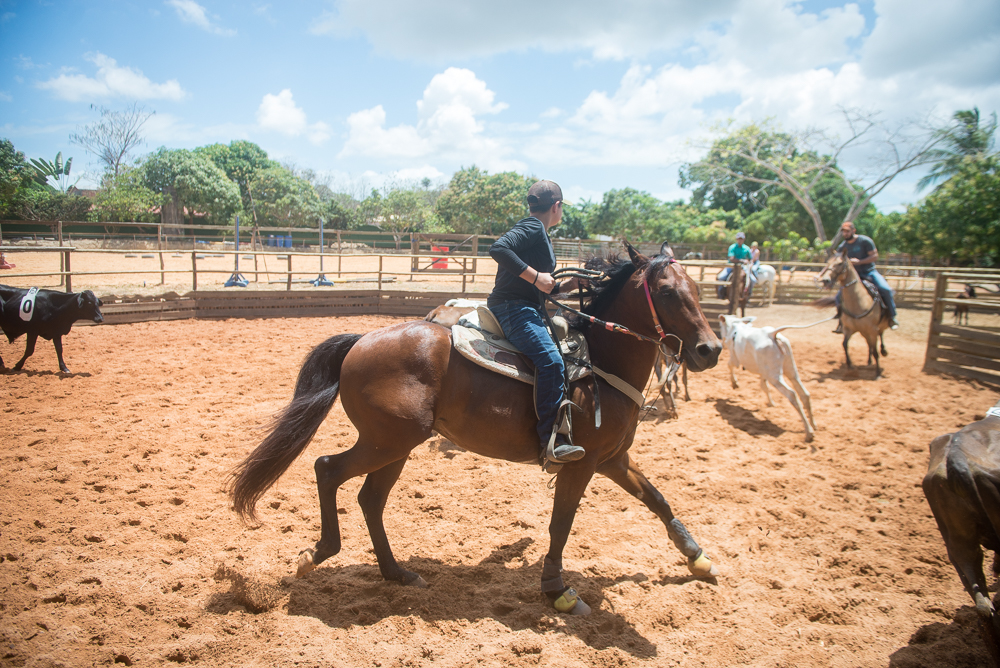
(962,139)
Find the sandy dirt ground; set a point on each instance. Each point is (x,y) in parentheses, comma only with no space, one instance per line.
(118,546)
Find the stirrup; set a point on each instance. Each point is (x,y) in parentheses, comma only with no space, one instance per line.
(564,452)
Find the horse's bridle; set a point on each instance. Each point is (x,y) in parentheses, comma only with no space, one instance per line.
(615,327)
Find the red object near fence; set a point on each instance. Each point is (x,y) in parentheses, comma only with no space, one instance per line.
(440,262)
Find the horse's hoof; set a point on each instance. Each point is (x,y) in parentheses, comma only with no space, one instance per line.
(306,564)
(703,567)
(570,603)
(417,582)
(810,438)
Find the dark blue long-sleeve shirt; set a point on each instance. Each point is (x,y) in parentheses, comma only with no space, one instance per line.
(527,244)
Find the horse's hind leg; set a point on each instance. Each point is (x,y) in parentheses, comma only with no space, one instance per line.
(332,471)
(627,475)
(881,340)
(372,498)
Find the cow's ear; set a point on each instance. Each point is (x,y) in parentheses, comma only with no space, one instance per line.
(748,319)
(79,300)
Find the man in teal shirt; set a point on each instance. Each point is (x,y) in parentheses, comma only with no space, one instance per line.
(738,251)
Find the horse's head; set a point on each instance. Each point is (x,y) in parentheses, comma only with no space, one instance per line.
(835,271)
(674,297)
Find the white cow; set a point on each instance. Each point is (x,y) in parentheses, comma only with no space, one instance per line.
(768,354)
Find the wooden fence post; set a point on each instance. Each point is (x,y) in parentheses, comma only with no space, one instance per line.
(289,284)
(69,276)
(937,313)
(380,273)
(194,271)
(62,266)
(159,246)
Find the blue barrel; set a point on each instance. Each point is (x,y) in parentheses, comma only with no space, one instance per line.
(270,240)
(288,241)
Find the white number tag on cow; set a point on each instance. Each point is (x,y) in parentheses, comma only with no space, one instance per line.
(995,412)
(28,305)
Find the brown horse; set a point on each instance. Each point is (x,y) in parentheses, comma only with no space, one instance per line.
(400,383)
(859,311)
(739,288)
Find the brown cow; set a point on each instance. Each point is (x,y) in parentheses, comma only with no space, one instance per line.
(962,486)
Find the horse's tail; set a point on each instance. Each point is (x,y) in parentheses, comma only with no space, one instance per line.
(824,302)
(294,427)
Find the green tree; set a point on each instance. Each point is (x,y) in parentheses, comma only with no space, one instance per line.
(241,160)
(784,214)
(575,221)
(760,153)
(476,202)
(53,169)
(285,200)
(964,137)
(124,197)
(190,180)
(628,213)
(15,175)
(404,211)
(959,223)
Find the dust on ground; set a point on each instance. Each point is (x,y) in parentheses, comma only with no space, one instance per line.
(117,544)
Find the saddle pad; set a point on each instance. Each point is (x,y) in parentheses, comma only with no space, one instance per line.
(876,296)
(500,355)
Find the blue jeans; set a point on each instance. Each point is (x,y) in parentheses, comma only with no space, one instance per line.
(883,289)
(524,326)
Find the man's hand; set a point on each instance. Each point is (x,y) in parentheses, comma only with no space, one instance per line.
(545,282)
(854,260)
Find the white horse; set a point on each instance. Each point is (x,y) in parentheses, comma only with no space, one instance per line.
(767,283)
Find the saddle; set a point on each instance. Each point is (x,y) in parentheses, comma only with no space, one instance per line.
(876,297)
(478,337)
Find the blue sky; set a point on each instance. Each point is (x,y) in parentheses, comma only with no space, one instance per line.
(592,94)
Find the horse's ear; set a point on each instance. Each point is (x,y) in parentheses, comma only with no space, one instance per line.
(638,259)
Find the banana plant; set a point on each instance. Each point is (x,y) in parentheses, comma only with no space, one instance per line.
(45,169)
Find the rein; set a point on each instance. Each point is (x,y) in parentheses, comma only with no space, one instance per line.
(622,329)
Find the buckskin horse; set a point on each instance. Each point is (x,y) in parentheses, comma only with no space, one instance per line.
(399,383)
(860,312)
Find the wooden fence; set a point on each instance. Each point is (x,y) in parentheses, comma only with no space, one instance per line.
(970,350)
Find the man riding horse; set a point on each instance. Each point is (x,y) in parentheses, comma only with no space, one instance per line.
(862,253)
(740,252)
(525,262)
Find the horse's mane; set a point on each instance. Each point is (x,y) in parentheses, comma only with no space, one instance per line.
(617,272)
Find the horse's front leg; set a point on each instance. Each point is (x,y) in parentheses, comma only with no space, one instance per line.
(570,486)
(628,476)
(881,340)
(847,355)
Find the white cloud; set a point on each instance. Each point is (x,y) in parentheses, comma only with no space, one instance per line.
(448,126)
(280,114)
(110,81)
(190,11)
(441,29)
(5,96)
(957,42)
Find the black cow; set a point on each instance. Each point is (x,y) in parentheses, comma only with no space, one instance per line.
(962,486)
(50,315)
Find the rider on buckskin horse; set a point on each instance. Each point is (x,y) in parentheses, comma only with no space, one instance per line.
(525,262)
(862,253)
(738,251)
